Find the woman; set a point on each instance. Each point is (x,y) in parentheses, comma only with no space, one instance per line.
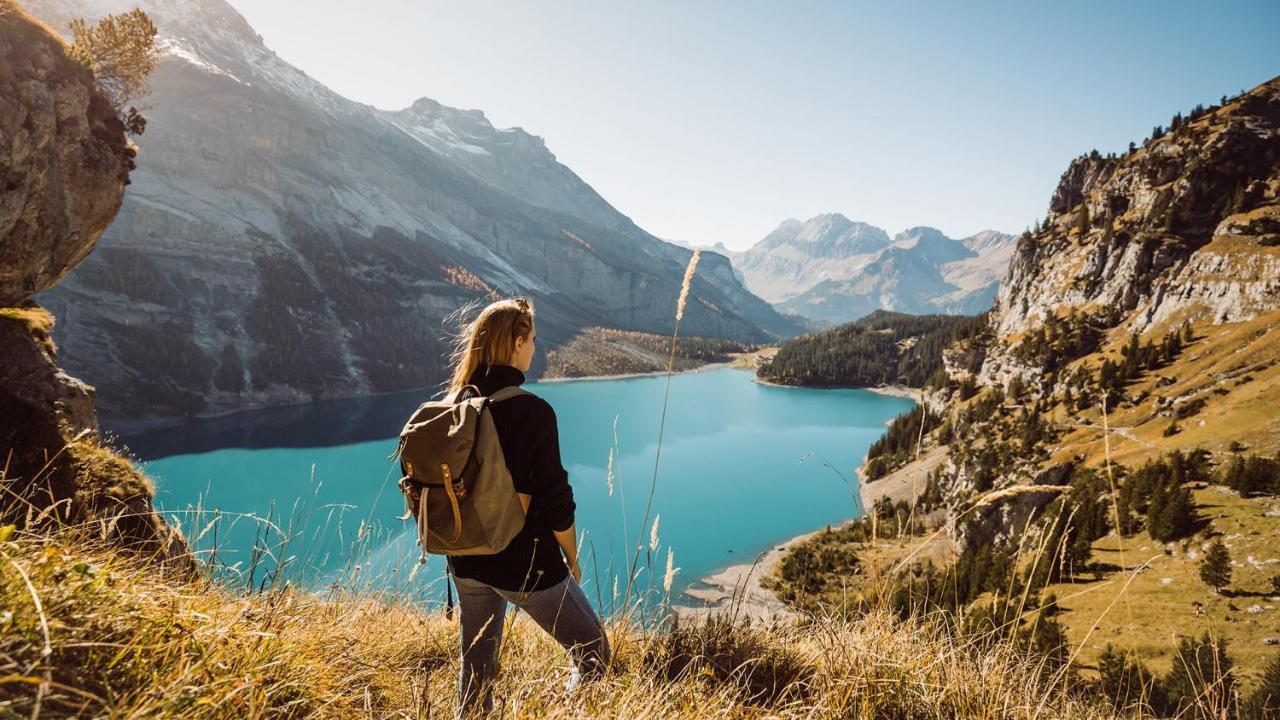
(539,570)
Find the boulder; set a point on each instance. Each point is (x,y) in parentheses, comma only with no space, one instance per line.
(64,159)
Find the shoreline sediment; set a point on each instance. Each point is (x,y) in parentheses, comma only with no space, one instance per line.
(739,588)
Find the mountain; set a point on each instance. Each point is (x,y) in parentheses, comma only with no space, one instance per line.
(1182,229)
(280,242)
(834,270)
(1116,415)
(794,255)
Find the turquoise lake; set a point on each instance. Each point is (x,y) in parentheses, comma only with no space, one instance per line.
(743,466)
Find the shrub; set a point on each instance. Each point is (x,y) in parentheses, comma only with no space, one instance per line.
(765,672)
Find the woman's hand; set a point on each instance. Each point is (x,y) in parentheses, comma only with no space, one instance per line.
(568,541)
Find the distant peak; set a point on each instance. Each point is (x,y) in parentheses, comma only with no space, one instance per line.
(429,106)
(829,217)
(991,233)
(425,104)
(920,231)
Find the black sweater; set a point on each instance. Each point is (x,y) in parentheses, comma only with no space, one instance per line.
(530,441)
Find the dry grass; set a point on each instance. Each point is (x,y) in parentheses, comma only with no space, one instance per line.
(37,321)
(1168,597)
(11,7)
(127,641)
(1232,367)
(102,473)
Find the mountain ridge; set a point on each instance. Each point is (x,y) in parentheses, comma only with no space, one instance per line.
(280,243)
(832,269)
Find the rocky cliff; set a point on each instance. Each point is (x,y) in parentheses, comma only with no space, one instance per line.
(1151,290)
(65,161)
(282,243)
(1184,228)
(835,270)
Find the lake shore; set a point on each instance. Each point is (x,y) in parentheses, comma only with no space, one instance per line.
(901,391)
(739,589)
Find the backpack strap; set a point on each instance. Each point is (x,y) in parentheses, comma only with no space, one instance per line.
(451,491)
(462,392)
(448,589)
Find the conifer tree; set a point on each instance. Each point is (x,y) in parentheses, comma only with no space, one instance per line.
(1127,683)
(1215,566)
(1201,682)
(1264,702)
(1046,636)
(121,51)
(1171,514)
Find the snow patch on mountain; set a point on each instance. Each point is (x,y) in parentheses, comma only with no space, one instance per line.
(172,48)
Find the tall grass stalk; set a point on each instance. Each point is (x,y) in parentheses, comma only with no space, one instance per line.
(662,422)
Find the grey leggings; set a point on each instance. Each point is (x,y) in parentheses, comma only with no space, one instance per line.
(562,610)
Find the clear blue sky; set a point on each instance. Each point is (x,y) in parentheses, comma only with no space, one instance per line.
(715,121)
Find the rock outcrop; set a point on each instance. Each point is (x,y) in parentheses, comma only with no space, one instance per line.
(61,138)
(67,163)
(1185,227)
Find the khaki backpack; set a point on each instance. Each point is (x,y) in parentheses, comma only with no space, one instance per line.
(452,460)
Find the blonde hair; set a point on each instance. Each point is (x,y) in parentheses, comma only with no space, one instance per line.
(489,339)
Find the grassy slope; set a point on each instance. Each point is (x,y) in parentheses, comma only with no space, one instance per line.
(125,640)
(1168,597)
(1235,368)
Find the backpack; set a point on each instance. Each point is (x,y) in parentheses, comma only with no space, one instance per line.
(450,455)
